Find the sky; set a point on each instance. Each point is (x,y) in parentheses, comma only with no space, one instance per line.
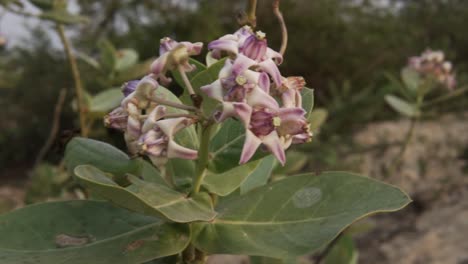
(14,27)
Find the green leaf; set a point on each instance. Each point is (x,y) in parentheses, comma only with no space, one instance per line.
(105,101)
(84,151)
(134,72)
(108,54)
(88,60)
(225,183)
(146,197)
(294,216)
(43,4)
(401,106)
(343,252)
(125,59)
(204,78)
(76,232)
(411,79)
(295,161)
(63,17)
(307,101)
(226,146)
(317,118)
(181,171)
(260,175)
(199,67)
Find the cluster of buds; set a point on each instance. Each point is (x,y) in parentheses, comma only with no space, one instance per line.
(432,64)
(143,115)
(251,88)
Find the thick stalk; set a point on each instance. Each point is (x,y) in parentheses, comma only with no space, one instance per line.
(203,156)
(76,78)
(251,12)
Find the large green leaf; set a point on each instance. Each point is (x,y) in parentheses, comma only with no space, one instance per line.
(401,106)
(225,183)
(204,78)
(105,101)
(76,232)
(84,151)
(146,197)
(260,175)
(296,215)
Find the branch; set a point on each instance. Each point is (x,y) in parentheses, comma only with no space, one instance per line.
(54,129)
(284,29)
(76,79)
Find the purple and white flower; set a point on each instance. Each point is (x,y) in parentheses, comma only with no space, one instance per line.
(173,54)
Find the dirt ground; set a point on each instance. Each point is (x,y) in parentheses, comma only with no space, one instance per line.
(433,171)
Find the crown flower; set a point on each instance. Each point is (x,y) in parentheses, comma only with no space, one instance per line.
(432,64)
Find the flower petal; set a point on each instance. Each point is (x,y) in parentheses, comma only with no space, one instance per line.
(273,144)
(251,145)
(270,67)
(175,150)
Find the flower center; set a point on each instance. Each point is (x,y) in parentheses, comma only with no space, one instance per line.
(241,80)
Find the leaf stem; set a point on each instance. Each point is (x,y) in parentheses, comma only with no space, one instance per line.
(76,79)
(203,156)
(284,29)
(446,97)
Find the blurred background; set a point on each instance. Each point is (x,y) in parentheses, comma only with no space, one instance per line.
(350,52)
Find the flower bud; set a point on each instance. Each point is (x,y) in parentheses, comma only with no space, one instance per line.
(255,46)
(129,87)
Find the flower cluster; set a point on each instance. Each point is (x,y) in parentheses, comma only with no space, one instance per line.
(143,116)
(251,88)
(432,64)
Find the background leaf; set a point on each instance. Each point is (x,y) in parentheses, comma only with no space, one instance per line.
(105,101)
(147,198)
(411,79)
(62,16)
(343,252)
(125,58)
(76,232)
(296,215)
(401,106)
(307,100)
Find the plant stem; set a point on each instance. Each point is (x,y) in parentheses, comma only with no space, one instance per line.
(76,79)
(203,156)
(403,148)
(284,29)
(446,97)
(173,104)
(251,12)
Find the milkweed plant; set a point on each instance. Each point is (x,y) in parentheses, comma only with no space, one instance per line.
(195,179)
